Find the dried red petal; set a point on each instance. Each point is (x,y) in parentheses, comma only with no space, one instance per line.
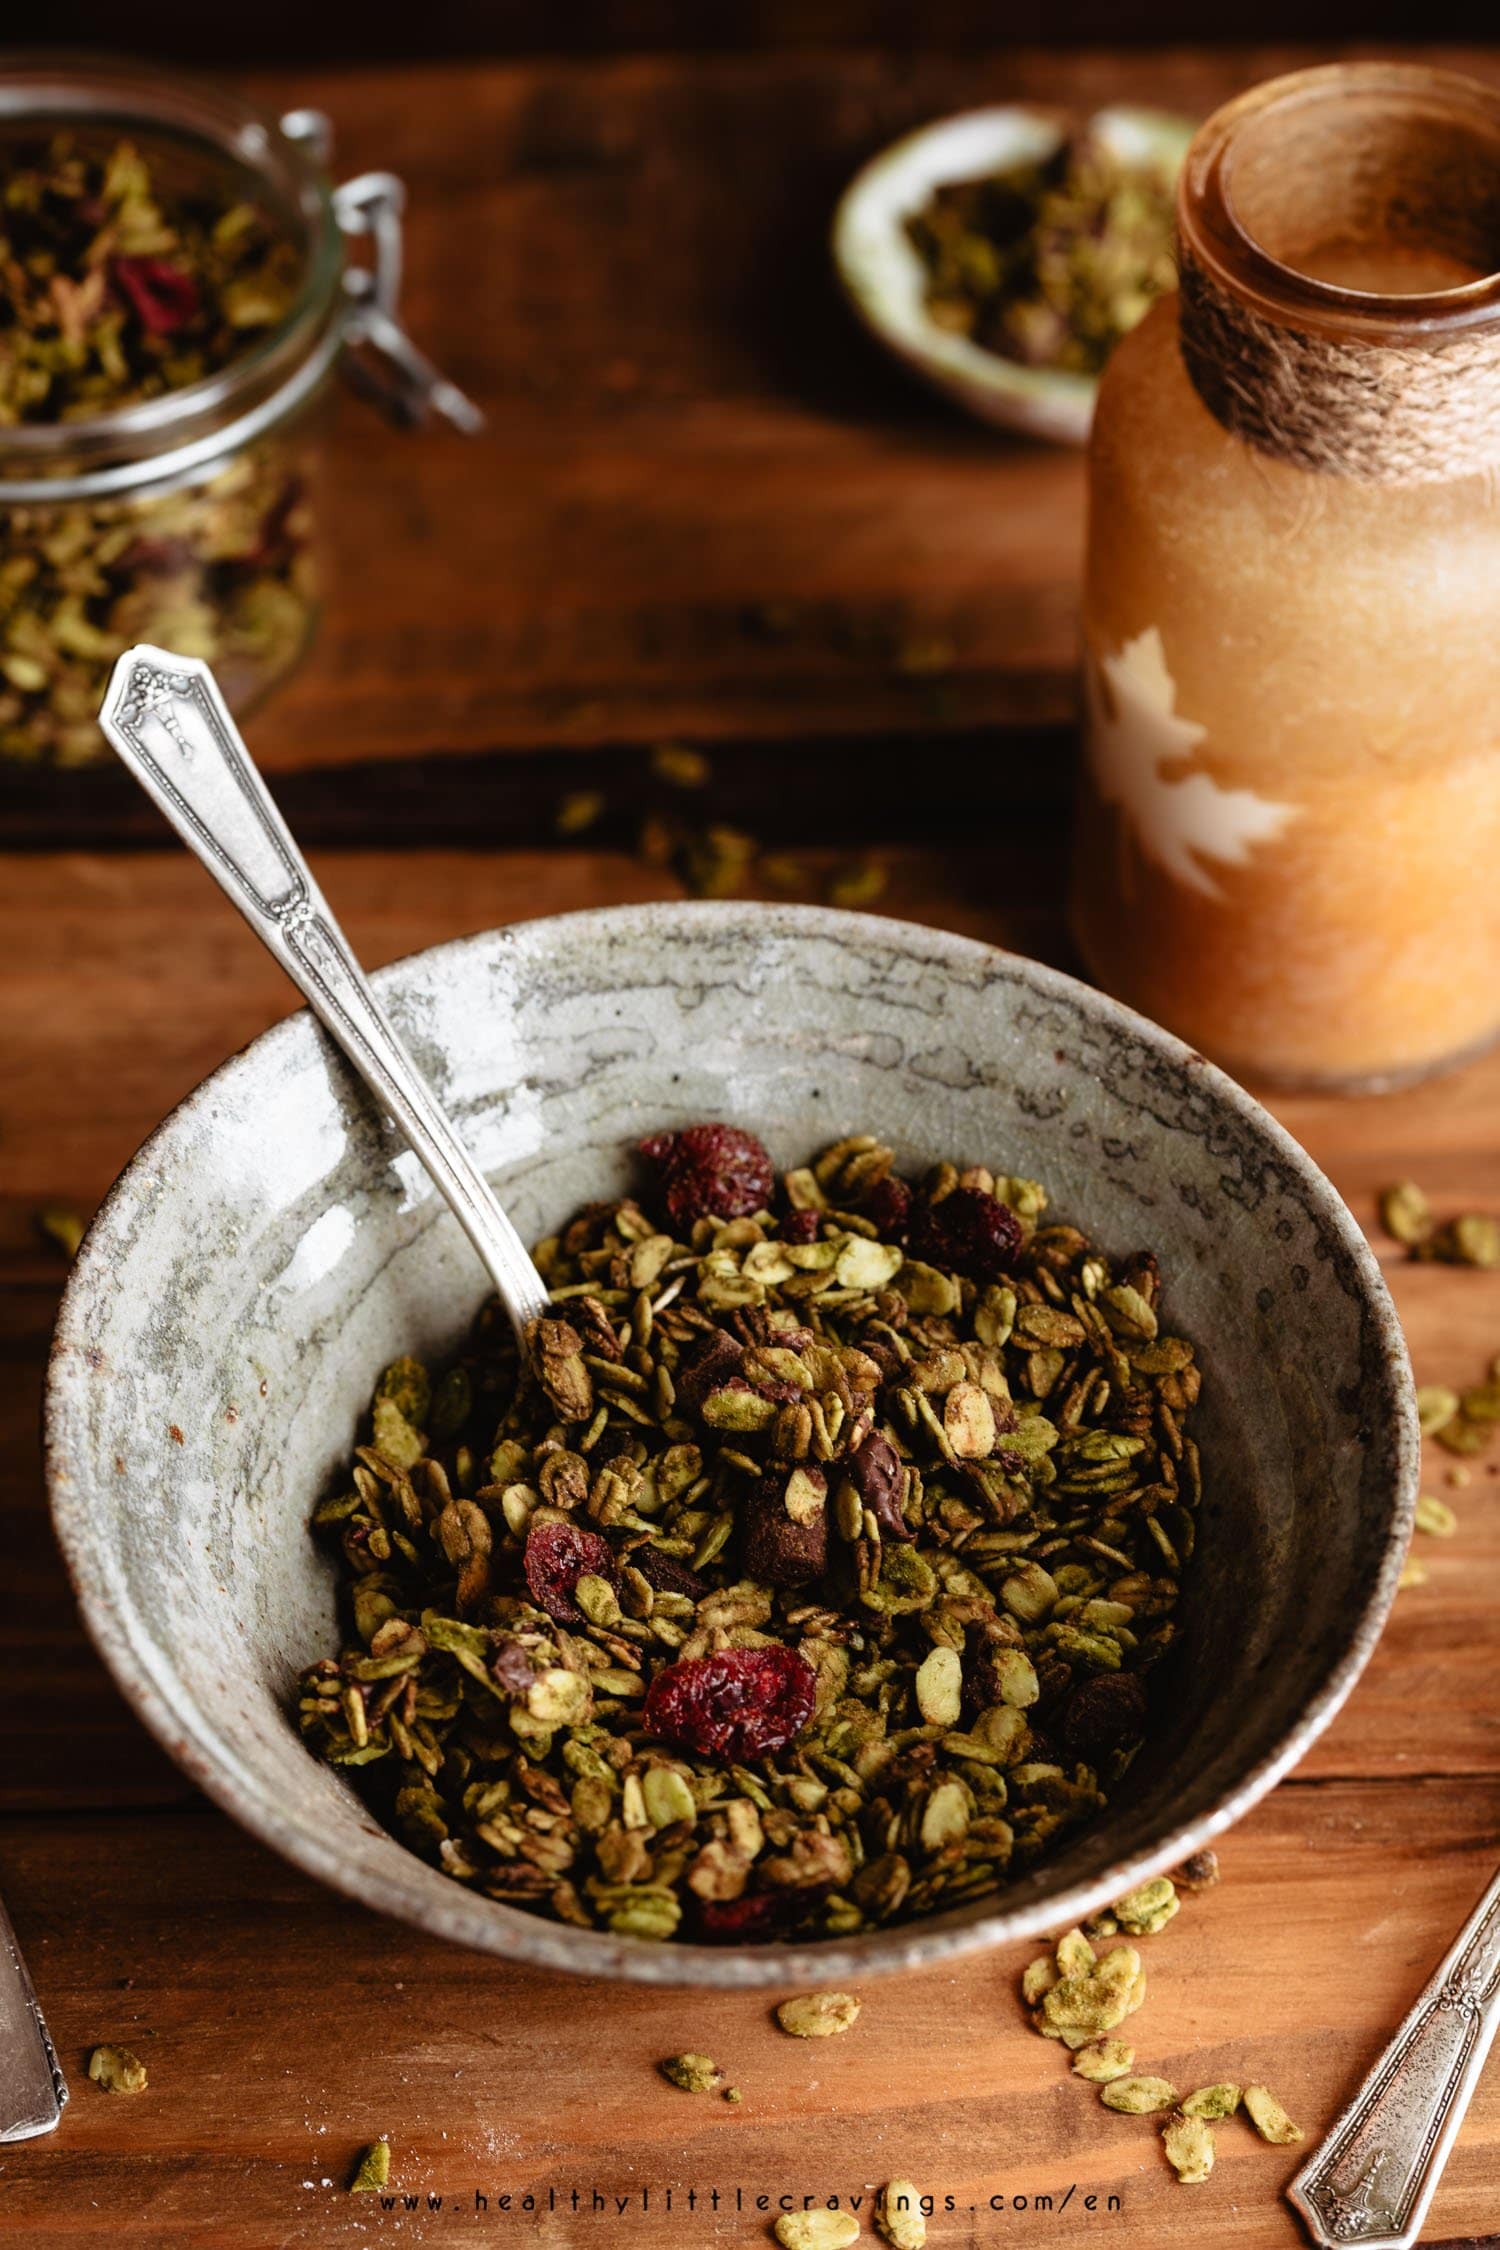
(775,1549)
(887,1206)
(739,1703)
(707,1367)
(880,1480)
(710,1172)
(967,1232)
(162,297)
(511,1667)
(800,1226)
(557,1556)
(666,1574)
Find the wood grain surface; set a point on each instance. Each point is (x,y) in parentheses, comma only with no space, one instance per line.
(625,262)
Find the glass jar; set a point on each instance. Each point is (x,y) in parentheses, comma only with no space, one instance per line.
(1288,846)
(189,519)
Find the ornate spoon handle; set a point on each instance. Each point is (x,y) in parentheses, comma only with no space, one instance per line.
(32,2088)
(1373,2178)
(166,717)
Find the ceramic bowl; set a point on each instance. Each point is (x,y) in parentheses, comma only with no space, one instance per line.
(886,281)
(273,1246)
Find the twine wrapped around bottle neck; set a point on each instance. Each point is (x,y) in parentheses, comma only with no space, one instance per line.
(1383,170)
(1420,412)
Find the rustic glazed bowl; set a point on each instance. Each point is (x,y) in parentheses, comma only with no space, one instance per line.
(273,1246)
(886,282)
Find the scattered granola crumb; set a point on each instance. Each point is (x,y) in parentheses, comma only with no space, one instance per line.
(1139,2097)
(817,2230)
(62,1226)
(694,2074)
(899,2216)
(682,767)
(1190,2148)
(1199,1872)
(818,2015)
(1269,2118)
(579,810)
(118,2070)
(374,2169)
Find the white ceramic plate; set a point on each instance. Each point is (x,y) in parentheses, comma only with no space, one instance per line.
(885,279)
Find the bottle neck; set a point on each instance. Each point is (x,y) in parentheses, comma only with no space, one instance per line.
(1339,249)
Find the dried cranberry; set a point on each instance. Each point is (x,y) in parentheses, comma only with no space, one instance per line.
(740,1703)
(967,1232)
(162,297)
(666,1574)
(775,1548)
(710,1172)
(708,1367)
(557,1556)
(755,1919)
(887,1206)
(879,1480)
(800,1226)
(1103,1714)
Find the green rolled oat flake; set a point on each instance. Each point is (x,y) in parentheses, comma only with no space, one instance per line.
(817,2230)
(1138,2097)
(899,2217)
(818,2015)
(1435,1517)
(1405,1213)
(1269,2118)
(1038,1978)
(1149,1908)
(1104,2060)
(1436,1406)
(1189,2145)
(1212,2102)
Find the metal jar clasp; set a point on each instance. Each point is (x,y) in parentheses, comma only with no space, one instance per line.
(382,357)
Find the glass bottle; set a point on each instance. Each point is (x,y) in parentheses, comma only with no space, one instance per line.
(189,519)
(1288,845)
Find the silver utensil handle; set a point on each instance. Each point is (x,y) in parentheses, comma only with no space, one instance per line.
(32,2088)
(171,726)
(1373,2178)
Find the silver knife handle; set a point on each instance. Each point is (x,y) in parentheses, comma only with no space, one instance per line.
(171,726)
(32,2088)
(1373,2178)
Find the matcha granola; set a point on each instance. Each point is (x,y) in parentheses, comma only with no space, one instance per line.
(809,1577)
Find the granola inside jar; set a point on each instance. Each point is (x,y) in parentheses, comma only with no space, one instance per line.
(174,294)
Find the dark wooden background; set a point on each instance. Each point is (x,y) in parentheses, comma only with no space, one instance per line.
(355,31)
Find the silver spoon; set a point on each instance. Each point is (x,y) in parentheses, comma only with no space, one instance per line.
(170,724)
(1371,2181)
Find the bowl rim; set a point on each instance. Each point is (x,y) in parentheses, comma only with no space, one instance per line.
(1053,401)
(131,1656)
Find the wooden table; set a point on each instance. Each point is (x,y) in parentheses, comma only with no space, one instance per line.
(704,510)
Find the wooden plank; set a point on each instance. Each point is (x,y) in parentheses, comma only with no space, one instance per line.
(283,2030)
